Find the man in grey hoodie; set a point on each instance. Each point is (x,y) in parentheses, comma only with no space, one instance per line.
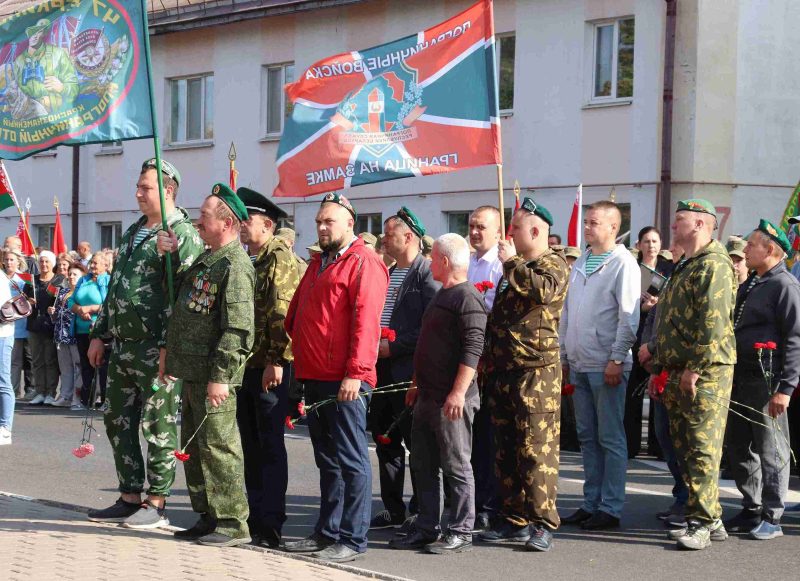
(598,329)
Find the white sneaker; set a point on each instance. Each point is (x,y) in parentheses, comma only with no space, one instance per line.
(49,400)
(38,400)
(5,436)
(61,403)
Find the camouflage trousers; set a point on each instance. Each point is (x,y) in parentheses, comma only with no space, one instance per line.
(132,404)
(525,408)
(697,428)
(215,468)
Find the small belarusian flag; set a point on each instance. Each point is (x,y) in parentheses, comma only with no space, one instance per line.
(6,195)
(27,277)
(52,290)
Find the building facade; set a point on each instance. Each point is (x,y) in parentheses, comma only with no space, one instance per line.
(581,92)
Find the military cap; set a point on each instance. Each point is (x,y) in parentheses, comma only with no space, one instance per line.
(167,169)
(229,197)
(314,248)
(572,252)
(697,205)
(337,198)
(777,235)
(411,220)
(40,25)
(635,252)
(369,239)
(286,234)
(666,254)
(735,246)
(258,204)
(427,244)
(530,206)
(794,219)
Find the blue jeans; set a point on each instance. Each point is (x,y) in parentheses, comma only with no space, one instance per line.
(599,413)
(661,423)
(7,395)
(339,436)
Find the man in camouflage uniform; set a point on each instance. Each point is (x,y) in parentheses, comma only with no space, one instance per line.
(264,397)
(695,344)
(524,380)
(289,236)
(209,337)
(134,318)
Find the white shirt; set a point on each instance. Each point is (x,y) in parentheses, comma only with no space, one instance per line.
(487,267)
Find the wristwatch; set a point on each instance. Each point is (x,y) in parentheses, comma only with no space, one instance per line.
(617,361)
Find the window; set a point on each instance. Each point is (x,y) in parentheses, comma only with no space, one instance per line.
(458,223)
(276,106)
(191,109)
(371,223)
(110,234)
(110,148)
(44,235)
(506,48)
(613,60)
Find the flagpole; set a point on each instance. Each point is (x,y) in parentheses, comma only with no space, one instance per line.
(16,204)
(500,197)
(233,172)
(157,146)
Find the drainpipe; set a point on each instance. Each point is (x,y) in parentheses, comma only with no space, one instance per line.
(665,187)
(76,180)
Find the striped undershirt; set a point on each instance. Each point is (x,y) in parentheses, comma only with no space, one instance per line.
(141,234)
(593,261)
(396,279)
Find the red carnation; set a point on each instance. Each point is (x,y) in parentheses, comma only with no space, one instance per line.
(383,439)
(289,422)
(660,382)
(487,284)
(182,456)
(479,287)
(759,345)
(484,286)
(301,408)
(83,450)
(388,334)
(771,345)
(568,389)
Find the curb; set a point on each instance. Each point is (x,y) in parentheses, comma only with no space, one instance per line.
(297,557)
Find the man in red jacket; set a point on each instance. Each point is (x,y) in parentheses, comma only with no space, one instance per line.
(334,323)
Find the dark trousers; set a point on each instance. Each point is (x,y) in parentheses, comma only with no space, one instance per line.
(266,471)
(483,458)
(383,411)
(440,444)
(88,372)
(339,436)
(634,401)
(21,365)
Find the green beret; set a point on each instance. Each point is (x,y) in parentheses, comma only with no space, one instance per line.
(530,206)
(231,200)
(337,198)
(735,246)
(411,220)
(258,204)
(697,205)
(286,234)
(167,169)
(40,25)
(777,235)
(369,239)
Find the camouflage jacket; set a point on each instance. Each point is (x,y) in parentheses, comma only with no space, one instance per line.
(694,321)
(277,278)
(522,330)
(210,332)
(137,306)
(302,265)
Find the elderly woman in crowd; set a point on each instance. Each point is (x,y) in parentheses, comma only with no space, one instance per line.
(85,303)
(14,263)
(40,328)
(69,360)
(7,395)
(63,262)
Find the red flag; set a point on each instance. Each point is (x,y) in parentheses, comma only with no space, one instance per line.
(233,177)
(27,243)
(576,220)
(516,207)
(59,245)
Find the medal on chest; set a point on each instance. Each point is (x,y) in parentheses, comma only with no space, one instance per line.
(203,294)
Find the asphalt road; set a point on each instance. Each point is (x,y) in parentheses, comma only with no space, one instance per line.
(39,464)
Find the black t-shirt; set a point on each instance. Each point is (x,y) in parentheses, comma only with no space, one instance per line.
(39,321)
(452,333)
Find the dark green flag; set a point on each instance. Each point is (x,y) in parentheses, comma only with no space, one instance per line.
(73,72)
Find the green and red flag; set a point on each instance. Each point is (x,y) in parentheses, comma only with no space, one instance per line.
(421,105)
(6,193)
(73,73)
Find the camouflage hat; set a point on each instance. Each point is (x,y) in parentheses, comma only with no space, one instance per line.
(666,254)
(40,25)
(314,248)
(777,235)
(572,252)
(259,204)
(427,244)
(369,239)
(167,169)
(697,205)
(635,252)
(337,198)
(411,220)
(286,234)
(530,206)
(735,246)
(230,199)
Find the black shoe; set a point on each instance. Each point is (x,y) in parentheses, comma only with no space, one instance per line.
(450,543)
(117,512)
(337,553)
(268,537)
(201,528)
(577,517)
(412,542)
(505,531)
(482,522)
(744,522)
(220,540)
(385,520)
(314,543)
(600,521)
(409,526)
(541,540)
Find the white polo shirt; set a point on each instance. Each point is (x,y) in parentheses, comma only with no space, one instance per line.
(487,267)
